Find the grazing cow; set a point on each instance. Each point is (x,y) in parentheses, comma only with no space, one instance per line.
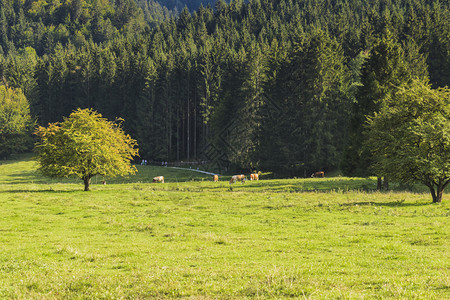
(158,179)
(235,178)
(103,181)
(215,178)
(254,176)
(320,174)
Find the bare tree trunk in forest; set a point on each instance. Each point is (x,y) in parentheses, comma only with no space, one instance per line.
(178,133)
(169,125)
(188,131)
(195,130)
(188,148)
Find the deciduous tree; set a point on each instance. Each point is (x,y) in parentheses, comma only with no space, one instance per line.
(84,145)
(15,120)
(410,137)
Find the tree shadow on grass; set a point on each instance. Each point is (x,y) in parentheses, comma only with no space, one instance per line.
(337,184)
(40,191)
(23,178)
(33,177)
(323,185)
(397,203)
(15,158)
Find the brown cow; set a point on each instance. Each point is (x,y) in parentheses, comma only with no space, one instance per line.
(320,174)
(215,178)
(240,178)
(158,179)
(254,176)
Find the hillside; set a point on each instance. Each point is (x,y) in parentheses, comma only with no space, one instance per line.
(276,86)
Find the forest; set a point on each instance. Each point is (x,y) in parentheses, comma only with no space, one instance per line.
(277,85)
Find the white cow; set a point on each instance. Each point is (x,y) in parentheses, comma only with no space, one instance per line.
(240,178)
(158,179)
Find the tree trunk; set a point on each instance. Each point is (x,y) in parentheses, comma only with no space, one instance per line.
(178,133)
(188,137)
(385,184)
(378,183)
(436,194)
(439,192)
(87,182)
(195,128)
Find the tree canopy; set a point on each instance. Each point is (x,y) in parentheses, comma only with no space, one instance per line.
(15,120)
(84,145)
(410,137)
(282,86)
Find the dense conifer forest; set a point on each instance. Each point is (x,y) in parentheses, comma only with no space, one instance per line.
(277,85)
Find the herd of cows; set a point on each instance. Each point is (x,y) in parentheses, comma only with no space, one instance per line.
(241,178)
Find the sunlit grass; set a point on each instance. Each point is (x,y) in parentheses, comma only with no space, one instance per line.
(300,238)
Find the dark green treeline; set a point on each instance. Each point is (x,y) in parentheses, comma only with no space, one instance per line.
(275,85)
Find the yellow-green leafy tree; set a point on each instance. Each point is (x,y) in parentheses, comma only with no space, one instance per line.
(410,137)
(84,145)
(15,121)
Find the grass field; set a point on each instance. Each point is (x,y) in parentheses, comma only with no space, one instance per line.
(326,238)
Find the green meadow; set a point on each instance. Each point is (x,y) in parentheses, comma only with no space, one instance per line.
(328,238)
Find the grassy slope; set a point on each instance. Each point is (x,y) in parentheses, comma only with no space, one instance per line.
(310,238)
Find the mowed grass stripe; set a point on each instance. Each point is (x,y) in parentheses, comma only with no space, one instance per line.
(195,239)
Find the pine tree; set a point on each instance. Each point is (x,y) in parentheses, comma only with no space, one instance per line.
(383,71)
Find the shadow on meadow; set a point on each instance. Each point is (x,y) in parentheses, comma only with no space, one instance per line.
(332,184)
(395,203)
(14,158)
(34,177)
(50,190)
(24,177)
